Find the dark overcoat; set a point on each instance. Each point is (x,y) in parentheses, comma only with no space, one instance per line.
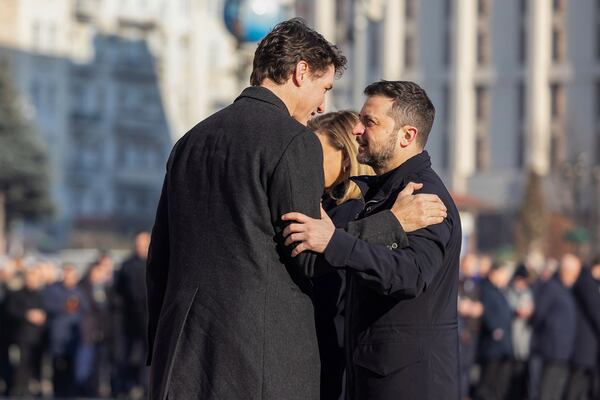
(554,322)
(495,341)
(401,329)
(230,313)
(587,332)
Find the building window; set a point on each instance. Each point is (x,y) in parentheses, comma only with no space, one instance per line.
(557,101)
(483,50)
(409,51)
(558,6)
(410,9)
(482,103)
(483,8)
(446,130)
(558,45)
(556,149)
(521,141)
(482,157)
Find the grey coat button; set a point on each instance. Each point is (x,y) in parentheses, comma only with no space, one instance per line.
(394,246)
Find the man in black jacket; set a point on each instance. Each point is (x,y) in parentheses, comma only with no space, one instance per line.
(402,340)
(230,312)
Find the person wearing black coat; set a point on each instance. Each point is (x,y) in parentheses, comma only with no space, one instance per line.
(401,313)
(495,341)
(585,354)
(130,287)
(554,330)
(26,310)
(230,313)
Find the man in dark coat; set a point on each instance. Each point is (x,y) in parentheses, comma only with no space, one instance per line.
(130,287)
(495,343)
(227,318)
(402,340)
(553,340)
(585,354)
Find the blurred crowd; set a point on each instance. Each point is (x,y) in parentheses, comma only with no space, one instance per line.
(71,330)
(529,330)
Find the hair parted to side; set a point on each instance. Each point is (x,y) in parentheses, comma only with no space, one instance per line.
(287,44)
(411,105)
(337,126)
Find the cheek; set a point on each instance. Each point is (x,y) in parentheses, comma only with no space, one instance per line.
(332,166)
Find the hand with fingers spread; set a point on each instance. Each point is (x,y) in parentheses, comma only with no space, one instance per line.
(309,233)
(417,211)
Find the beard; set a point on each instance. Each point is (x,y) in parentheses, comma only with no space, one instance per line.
(377,157)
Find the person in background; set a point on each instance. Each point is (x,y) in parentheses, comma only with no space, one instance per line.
(520,298)
(130,287)
(66,304)
(95,327)
(6,333)
(25,308)
(495,344)
(470,310)
(554,329)
(585,354)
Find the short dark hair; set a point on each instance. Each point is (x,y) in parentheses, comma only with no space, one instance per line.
(411,105)
(287,44)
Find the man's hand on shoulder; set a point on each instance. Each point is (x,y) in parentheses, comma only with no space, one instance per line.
(417,211)
(309,233)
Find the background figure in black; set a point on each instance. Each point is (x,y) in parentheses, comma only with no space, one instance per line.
(6,328)
(92,355)
(595,272)
(130,284)
(585,353)
(520,298)
(66,305)
(26,310)
(495,345)
(470,310)
(553,338)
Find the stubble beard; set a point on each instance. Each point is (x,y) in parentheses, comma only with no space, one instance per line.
(378,158)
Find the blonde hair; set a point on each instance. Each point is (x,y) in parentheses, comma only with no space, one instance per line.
(337,126)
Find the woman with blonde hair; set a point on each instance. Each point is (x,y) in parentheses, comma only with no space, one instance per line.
(340,149)
(343,201)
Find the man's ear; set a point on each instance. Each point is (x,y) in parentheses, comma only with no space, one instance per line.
(408,134)
(301,73)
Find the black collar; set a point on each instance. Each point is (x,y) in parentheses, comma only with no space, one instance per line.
(263,94)
(378,187)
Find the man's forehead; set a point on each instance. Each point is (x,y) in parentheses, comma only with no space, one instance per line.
(376,105)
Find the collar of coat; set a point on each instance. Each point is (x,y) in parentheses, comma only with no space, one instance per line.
(378,187)
(265,95)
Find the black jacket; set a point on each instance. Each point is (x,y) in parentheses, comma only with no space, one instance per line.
(587,301)
(402,335)
(17,305)
(495,340)
(553,322)
(230,312)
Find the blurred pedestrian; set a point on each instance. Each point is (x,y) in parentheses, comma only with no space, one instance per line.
(470,310)
(92,355)
(495,345)
(130,286)
(66,304)
(553,340)
(26,310)
(520,298)
(585,354)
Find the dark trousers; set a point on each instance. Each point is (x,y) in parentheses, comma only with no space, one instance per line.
(554,380)
(26,370)
(63,375)
(580,383)
(519,387)
(495,379)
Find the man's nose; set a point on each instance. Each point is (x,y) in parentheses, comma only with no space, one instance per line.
(321,108)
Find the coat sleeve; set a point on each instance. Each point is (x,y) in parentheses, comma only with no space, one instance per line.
(392,269)
(297,185)
(586,290)
(157,264)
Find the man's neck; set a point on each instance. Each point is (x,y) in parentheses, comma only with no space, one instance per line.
(283,92)
(397,161)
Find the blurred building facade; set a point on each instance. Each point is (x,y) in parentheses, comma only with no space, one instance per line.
(110,85)
(516,84)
